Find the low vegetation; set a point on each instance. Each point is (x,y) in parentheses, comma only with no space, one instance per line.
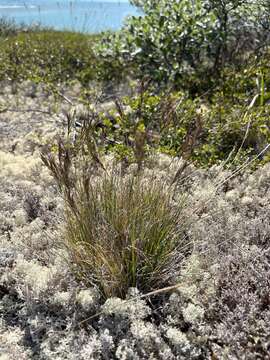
(146,233)
(44,55)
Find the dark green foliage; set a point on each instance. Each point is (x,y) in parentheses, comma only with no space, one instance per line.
(188,43)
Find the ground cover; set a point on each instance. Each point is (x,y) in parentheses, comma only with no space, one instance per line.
(134,219)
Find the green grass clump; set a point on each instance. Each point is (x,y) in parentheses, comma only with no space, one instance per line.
(124,233)
(120,231)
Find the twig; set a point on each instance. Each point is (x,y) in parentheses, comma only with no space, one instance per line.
(65,98)
(151,293)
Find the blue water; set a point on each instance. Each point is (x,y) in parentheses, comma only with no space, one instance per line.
(76,15)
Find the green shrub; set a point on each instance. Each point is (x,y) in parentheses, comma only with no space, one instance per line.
(205,131)
(188,43)
(47,56)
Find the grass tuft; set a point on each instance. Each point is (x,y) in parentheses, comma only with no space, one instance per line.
(125,232)
(120,231)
